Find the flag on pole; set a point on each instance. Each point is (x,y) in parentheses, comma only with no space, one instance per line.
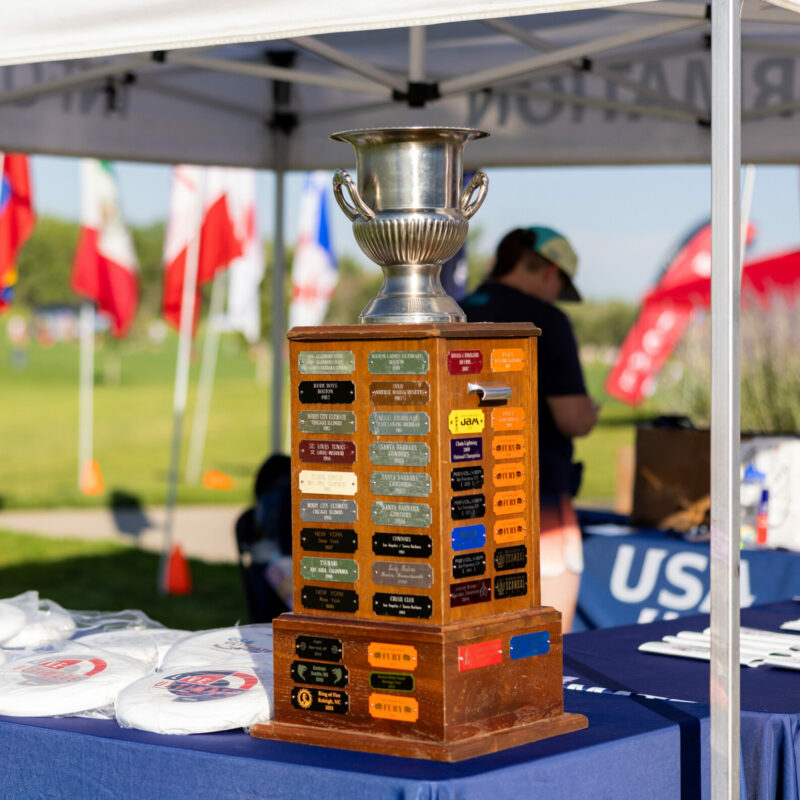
(247,271)
(314,273)
(16,219)
(219,244)
(104,268)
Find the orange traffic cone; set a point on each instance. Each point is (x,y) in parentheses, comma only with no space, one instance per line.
(91,479)
(177,578)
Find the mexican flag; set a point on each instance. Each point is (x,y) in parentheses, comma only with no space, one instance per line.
(104,269)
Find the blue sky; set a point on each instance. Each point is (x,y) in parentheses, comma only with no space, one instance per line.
(622,221)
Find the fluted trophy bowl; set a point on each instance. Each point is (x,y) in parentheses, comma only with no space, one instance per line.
(410,213)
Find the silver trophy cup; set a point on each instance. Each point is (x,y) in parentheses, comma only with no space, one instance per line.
(410,215)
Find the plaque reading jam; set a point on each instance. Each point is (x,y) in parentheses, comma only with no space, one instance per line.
(328,511)
(513,585)
(400,484)
(508,418)
(399,423)
(326,391)
(506,558)
(396,656)
(398,362)
(402,515)
(466,449)
(323,598)
(335,570)
(319,674)
(471,506)
(466,421)
(464,362)
(391,681)
(317,481)
(319,648)
(512,474)
(470,592)
(510,530)
(329,540)
(326,422)
(399,454)
(418,606)
(468,537)
(468,565)
(385,706)
(463,478)
(509,502)
(403,545)
(312,699)
(508,359)
(327,451)
(508,447)
(402,573)
(325,362)
(399,393)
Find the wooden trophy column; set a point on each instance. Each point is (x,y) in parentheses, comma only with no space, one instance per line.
(418,629)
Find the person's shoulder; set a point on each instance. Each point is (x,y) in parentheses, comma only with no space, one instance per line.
(492,300)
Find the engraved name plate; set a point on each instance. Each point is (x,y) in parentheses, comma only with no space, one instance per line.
(326,422)
(510,474)
(526,645)
(345,511)
(468,565)
(508,447)
(508,359)
(386,706)
(508,418)
(319,674)
(466,449)
(319,648)
(469,592)
(327,451)
(398,362)
(399,423)
(402,573)
(399,393)
(468,537)
(466,421)
(509,502)
(330,540)
(391,681)
(316,481)
(401,515)
(464,362)
(399,454)
(335,570)
(510,530)
(400,484)
(514,585)
(396,656)
(326,391)
(471,506)
(506,558)
(333,701)
(419,606)
(463,478)
(325,362)
(323,598)
(402,545)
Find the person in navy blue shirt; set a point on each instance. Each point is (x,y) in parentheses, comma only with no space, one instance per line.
(532,269)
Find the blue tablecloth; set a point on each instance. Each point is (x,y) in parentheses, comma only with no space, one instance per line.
(652,575)
(635,746)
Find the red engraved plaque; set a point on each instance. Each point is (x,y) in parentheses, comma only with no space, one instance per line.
(482,654)
(327,451)
(464,362)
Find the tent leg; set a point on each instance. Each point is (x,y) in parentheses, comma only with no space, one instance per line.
(725,401)
(278,289)
(86,390)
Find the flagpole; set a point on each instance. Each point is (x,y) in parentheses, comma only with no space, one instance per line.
(206,384)
(278,294)
(182,377)
(85,390)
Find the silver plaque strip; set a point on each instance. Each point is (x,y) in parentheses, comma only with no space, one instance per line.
(402,573)
(337,570)
(400,484)
(326,422)
(325,362)
(328,511)
(399,454)
(317,481)
(402,515)
(398,362)
(399,423)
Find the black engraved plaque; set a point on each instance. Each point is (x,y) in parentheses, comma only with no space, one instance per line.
(323,598)
(329,540)
(339,392)
(312,699)
(319,674)
(465,594)
(510,558)
(405,545)
(385,604)
(391,681)
(468,565)
(318,647)
(514,585)
(464,478)
(471,506)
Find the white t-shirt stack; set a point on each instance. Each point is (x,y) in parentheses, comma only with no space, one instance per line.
(12,620)
(45,625)
(209,681)
(73,680)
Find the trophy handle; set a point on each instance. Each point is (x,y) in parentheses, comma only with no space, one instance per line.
(480,181)
(342,181)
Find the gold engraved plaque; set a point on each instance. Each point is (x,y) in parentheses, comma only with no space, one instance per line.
(317,481)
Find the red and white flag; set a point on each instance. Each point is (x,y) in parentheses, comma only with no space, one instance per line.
(219,245)
(104,268)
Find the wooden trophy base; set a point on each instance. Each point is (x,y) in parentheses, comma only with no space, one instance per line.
(445,693)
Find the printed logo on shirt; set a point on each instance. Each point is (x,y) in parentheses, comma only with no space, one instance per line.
(207,685)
